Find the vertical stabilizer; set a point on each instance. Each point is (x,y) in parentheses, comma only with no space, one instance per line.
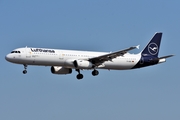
(153,46)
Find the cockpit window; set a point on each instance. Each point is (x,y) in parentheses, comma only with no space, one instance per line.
(15,52)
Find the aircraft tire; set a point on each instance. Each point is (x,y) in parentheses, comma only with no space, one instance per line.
(79,76)
(95,72)
(24,71)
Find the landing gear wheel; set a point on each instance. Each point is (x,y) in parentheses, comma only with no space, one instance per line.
(25,67)
(95,72)
(79,76)
(24,71)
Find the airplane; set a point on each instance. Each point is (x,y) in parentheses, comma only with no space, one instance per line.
(63,61)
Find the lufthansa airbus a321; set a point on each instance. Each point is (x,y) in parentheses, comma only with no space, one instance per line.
(63,61)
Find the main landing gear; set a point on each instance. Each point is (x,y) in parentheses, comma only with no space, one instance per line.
(95,72)
(80,76)
(25,67)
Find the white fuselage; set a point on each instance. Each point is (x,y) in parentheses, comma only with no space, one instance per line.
(64,58)
(63,61)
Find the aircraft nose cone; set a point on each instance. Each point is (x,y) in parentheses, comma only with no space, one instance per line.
(7,57)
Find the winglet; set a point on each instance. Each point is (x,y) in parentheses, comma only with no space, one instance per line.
(137,46)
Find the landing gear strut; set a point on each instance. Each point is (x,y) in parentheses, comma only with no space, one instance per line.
(79,75)
(25,67)
(95,72)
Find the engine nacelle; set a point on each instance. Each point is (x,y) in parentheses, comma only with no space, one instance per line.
(83,64)
(60,70)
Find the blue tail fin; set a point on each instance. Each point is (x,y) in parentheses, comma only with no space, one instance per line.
(153,46)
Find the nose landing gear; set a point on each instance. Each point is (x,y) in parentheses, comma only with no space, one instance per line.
(25,67)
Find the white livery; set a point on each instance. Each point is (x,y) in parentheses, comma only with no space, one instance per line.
(63,61)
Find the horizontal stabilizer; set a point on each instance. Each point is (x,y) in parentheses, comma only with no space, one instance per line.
(163,59)
(166,56)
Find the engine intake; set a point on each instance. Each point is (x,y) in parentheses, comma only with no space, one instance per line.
(60,70)
(82,64)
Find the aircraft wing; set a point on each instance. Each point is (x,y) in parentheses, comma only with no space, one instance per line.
(108,57)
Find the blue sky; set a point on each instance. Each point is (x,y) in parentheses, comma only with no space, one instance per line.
(101,25)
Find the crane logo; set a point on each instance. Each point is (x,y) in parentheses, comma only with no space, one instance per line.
(153,48)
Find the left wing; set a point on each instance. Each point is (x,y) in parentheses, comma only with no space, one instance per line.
(108,57)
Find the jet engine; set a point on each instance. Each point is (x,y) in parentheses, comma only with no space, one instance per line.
(60,70)
(82,64)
